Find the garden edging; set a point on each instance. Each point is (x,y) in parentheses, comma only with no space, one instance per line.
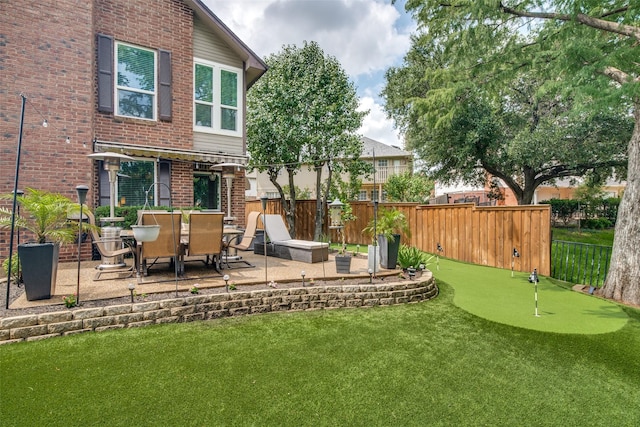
(213,306)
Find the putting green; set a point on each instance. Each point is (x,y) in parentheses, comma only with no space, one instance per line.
(491,293)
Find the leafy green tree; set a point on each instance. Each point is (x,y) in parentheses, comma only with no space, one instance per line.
(585,51)
(304,111)
(409,187)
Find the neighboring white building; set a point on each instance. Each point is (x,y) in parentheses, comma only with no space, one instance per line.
(390,160)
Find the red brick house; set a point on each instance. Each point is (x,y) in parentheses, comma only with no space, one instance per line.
(163,81)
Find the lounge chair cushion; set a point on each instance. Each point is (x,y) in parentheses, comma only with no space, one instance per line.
(294,249)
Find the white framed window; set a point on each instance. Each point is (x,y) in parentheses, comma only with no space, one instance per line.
(217,98)
(136,81)
(362,195)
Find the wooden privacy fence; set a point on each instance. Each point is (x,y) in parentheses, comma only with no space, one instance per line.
(478,235)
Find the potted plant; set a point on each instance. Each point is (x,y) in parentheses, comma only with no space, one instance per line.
(389,225)
(342,258)
(45,215)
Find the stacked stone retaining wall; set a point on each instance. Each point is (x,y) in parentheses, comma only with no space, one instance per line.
(212,306)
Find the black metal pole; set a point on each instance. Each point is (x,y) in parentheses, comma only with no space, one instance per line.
(15,196)
(375,216)
(82,196)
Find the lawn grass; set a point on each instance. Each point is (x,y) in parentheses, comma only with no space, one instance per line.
(418,364)
(585,259)
(593,237)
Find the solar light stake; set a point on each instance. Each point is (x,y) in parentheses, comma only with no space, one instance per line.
(226,282)
(439,248)
(370,275)
(412,272)
(131,289)
(303,273)
(516,254)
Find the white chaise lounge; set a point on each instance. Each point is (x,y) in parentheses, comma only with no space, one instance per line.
(283,246)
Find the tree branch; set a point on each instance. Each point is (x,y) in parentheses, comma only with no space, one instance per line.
(597,23)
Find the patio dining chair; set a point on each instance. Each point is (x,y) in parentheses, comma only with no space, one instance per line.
(205,237)
(167,245)
(249,233)
(103,247)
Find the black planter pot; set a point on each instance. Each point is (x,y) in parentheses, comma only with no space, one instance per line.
(343,264)
(389,251)
(39,269)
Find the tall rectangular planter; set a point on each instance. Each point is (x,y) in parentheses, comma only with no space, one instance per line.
(39,269)
(389,251)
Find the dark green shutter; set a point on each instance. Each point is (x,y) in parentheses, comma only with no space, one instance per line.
(164,80)
(105,73)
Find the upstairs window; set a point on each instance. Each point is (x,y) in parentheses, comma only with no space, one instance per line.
(133,80)
(136,82)
(217,98)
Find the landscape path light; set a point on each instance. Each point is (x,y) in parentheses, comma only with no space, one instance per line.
(226,282)
(82,197)
(132,287)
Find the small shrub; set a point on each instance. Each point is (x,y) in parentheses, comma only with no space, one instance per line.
(411,256)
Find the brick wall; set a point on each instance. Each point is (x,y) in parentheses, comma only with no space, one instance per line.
(153,24)
(50,60)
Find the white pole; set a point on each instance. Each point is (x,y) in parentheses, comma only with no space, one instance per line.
(535,287)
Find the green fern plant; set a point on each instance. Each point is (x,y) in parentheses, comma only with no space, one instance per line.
(43,213)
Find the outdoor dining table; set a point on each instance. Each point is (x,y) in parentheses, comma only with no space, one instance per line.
(228,233)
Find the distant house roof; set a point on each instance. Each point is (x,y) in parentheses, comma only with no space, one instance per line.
(254,65)
(382,150)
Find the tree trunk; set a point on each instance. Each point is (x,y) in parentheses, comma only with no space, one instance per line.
(623,281)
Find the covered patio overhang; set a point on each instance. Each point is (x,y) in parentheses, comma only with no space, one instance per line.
(136,150)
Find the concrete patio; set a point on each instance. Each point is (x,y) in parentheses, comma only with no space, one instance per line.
(162,277)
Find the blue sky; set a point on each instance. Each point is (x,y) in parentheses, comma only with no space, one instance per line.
(366,36)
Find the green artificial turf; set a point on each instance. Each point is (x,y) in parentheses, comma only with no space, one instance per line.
(493,294)
(431,363)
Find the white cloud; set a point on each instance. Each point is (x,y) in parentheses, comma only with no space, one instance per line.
(376,125)
(363,35)
(359,33)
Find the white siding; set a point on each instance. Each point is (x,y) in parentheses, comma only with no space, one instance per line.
(207,46)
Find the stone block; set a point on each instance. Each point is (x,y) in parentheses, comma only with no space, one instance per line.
(55,317)
(140,324)
(29,331)
(88,313)
(170,319)
(231,304)
(130,318)
(62,327)
(300,306)
(181,311)
(239,311)
(260,309)
(146,306)
(117,309)
(217,314)
(194,317)
(42,337)
(19,321)
(98,322)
